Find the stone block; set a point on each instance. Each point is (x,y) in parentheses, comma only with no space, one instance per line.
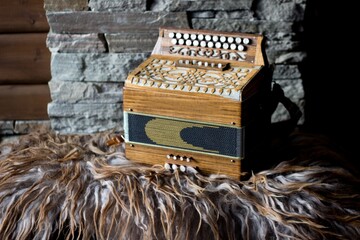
(114,22)
(199,5)
(85,92)
(245,26)
(7,127)
(85,118)
(118,5)
(76,43)
(286,72)
(25,127)
(293,89)
(132,42)
(275,10)
(96,67)
(65,5)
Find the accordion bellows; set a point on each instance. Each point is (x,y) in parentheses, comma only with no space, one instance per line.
(197,101)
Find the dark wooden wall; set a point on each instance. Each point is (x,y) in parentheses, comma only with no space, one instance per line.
(24,60)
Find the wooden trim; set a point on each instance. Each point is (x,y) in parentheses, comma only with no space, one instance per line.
(206,164)
(196,107)
(24,58)
(24,102)
(23,16)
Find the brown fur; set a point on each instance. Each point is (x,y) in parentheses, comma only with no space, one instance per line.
(75,187)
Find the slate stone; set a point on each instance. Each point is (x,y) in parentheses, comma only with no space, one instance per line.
(65,5)
(94,67)
(275,10)
(85,92)
(132,42)
(118,5)
(85,118)
(76,43)
(114,22)
(198,5)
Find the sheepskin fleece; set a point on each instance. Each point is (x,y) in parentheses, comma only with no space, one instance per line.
(76,187)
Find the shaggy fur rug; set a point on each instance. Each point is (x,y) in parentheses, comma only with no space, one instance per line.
(78,187)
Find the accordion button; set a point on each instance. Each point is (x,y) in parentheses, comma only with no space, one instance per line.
(207,37)
(225,45)
(182,168)
(241,47)
(175,157)
(196,43)
(222,39)
(246,41)
(210,44)
(218,45)
(188,159)
(173,41)
(188,42)
(169,156)
(230,39)
(174,167)
(238,40)
(220,65)
(178,35)
(206,64)
(193,36)
(215,38)
(233,46)
(167,166)
(171,35)
(203,43)
(181,41)
(186,36)
(200,37)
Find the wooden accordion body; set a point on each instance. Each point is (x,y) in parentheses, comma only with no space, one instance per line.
(196,101)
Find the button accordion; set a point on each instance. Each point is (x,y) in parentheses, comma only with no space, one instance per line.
(197,101)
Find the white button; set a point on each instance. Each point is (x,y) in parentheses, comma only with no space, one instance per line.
(246,41)
(218,45)
(182,168)
(203,44)
(207,37)
(193,36)
(171,35)
(225,46)
(215,38)
(188,42)
(220,65)
(188,159)
(173,41)
(210,44)
(196,43)
(233,46)
(174,166)
(178,35)
(186,62)
(181,41)
(167,166)
(238,40)
(199,63)
(241,47)
(175,157)
(206,64)
(200,37)
(186,36)
(170,155)
(222,39)
(230,39)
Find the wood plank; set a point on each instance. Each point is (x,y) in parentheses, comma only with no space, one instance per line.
(23,16)
(207,164)
(24,102)
(24,58)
